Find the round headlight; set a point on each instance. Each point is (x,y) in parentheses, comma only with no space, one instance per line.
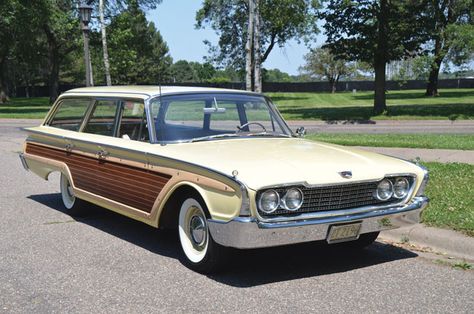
(293,199)
(401,187)
(384,190)
(269,201)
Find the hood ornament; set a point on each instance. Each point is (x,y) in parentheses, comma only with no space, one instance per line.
(346,174)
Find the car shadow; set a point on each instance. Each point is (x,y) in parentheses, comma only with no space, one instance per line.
(246,268)
(147,237)
(258,267)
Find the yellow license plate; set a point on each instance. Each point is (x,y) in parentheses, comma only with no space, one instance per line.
(342,233)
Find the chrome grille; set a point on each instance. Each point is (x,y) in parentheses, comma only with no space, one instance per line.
(334,197)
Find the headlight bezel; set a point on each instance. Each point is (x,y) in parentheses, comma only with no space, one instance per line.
(377,190)
(260,206)
(284,199)
(406,190)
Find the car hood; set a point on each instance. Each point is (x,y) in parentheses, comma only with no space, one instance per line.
(262,162)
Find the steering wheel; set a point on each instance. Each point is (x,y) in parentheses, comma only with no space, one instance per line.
(251,123)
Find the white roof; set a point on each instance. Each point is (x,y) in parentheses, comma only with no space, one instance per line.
(146,90)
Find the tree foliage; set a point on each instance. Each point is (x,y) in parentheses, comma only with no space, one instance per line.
(374,31)
(138,53)
(281,20)
(450,27)
(322,64)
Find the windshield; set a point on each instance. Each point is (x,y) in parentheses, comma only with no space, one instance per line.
(199,117)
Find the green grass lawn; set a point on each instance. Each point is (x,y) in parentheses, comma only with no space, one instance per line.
(451,193)
(409,104)
(440,141)
(402,105)
(29,108)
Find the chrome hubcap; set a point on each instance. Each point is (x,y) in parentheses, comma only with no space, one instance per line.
(197,228)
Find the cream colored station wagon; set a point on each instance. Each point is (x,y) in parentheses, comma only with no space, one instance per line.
(220,166)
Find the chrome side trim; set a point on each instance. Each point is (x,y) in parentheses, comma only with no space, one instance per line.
(424,183)
(247,232)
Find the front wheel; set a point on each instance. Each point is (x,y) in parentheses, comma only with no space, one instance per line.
(73,205)
(200,252)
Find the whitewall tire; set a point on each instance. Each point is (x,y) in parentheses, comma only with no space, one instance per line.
(200,252)
(72,204)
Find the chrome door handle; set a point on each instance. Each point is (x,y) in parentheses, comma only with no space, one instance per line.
(102,153)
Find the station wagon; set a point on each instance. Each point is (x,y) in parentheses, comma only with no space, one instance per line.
(221,167)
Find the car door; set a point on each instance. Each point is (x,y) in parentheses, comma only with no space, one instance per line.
(117,173)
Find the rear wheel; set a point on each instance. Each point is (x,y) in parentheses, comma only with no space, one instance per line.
(73,205)
(200,252)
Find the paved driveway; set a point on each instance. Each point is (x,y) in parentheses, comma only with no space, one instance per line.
(50,262)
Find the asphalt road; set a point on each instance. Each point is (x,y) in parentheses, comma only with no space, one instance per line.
(50,262)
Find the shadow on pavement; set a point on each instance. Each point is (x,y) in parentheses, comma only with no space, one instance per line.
(365,113)
(247,268)
(157,241)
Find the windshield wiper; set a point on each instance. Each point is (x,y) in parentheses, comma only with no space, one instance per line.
(266,134)
(211,137)
(238,134)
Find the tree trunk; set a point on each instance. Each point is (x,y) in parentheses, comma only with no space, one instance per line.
(432,87)
(332,83)
(105,51)
(3,87)
(249,49)
(53,79)
(379,97)
(256,45)
(380,60)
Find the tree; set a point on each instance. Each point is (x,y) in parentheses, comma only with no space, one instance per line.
(114,7)
(275,75)
(322,64)
(7,20)
(202,72)
(138,53)
(280,21)
(450,28)
(181,71)
(60,25)
(374,31)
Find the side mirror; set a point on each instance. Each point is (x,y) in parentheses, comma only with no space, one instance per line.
(301,132)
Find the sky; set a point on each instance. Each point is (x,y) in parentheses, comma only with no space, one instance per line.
(175,20)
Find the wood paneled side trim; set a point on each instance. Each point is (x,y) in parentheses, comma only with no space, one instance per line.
(132,186)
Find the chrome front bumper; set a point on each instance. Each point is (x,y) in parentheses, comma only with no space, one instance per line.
(247,232)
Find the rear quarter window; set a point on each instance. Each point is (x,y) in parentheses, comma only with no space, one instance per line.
(70,114)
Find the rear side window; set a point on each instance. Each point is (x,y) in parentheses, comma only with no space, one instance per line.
(70,114)
(133,123)
(102,120)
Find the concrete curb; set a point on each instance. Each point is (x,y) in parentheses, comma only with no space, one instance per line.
(442,241)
